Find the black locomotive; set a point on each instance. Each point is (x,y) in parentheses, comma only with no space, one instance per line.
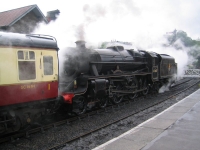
(91,77)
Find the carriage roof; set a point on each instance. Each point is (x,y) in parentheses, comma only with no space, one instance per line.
(28,40)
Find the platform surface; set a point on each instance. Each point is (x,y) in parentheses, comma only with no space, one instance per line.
(176,128)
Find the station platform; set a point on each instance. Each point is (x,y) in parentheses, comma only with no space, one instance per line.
(176,128)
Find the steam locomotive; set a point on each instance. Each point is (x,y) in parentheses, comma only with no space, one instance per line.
(33,83)
(97,76)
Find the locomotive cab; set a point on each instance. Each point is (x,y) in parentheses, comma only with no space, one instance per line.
(168,67)
(152,64)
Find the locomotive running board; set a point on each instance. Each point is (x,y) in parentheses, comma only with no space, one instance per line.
(127,92)
(117,75)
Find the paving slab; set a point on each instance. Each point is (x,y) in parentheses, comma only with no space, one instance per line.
(171,115)
(196,106)
(193,98)
(159,123)
(143,135)
(196,95)
(188,104)
(122,144)
(171,143)
(179,109)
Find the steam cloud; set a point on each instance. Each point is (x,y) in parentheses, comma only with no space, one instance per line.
(140,22)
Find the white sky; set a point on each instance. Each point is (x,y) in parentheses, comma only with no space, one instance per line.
(180,14)
(127,20)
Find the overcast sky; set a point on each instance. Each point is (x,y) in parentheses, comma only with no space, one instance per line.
(142,22)
(128,20)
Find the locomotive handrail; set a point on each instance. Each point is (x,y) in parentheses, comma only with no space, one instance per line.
(111,56)
(164,54)
(93,62)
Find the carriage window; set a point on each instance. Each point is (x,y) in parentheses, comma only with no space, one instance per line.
(32,55)
(48,65)
(20,55)
(26,65)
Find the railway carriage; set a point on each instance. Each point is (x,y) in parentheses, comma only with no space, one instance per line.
(28,78)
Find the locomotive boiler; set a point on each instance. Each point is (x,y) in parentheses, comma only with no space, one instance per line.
(96,76)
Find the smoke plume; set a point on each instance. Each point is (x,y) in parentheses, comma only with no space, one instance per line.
(139,22)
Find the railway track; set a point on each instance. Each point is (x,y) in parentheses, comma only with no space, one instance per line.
(70,120)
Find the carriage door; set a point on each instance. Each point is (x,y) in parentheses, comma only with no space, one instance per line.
(49,70)
(155,68)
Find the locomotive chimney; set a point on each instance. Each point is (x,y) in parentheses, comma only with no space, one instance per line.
(80,44)
(52,15)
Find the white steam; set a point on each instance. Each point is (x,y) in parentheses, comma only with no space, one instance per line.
(124,20)
(141,22)
(181,55)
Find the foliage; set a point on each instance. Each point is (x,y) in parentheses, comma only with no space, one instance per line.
(103,45)
(189,43)
(183,37)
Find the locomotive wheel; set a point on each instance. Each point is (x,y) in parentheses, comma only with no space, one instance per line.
(117,99)
(17,124)
(145,92)
(140,85)
(132,96)
(103,102)
(2,128)
(82,105)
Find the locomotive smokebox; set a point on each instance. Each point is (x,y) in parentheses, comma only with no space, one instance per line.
(80,44)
